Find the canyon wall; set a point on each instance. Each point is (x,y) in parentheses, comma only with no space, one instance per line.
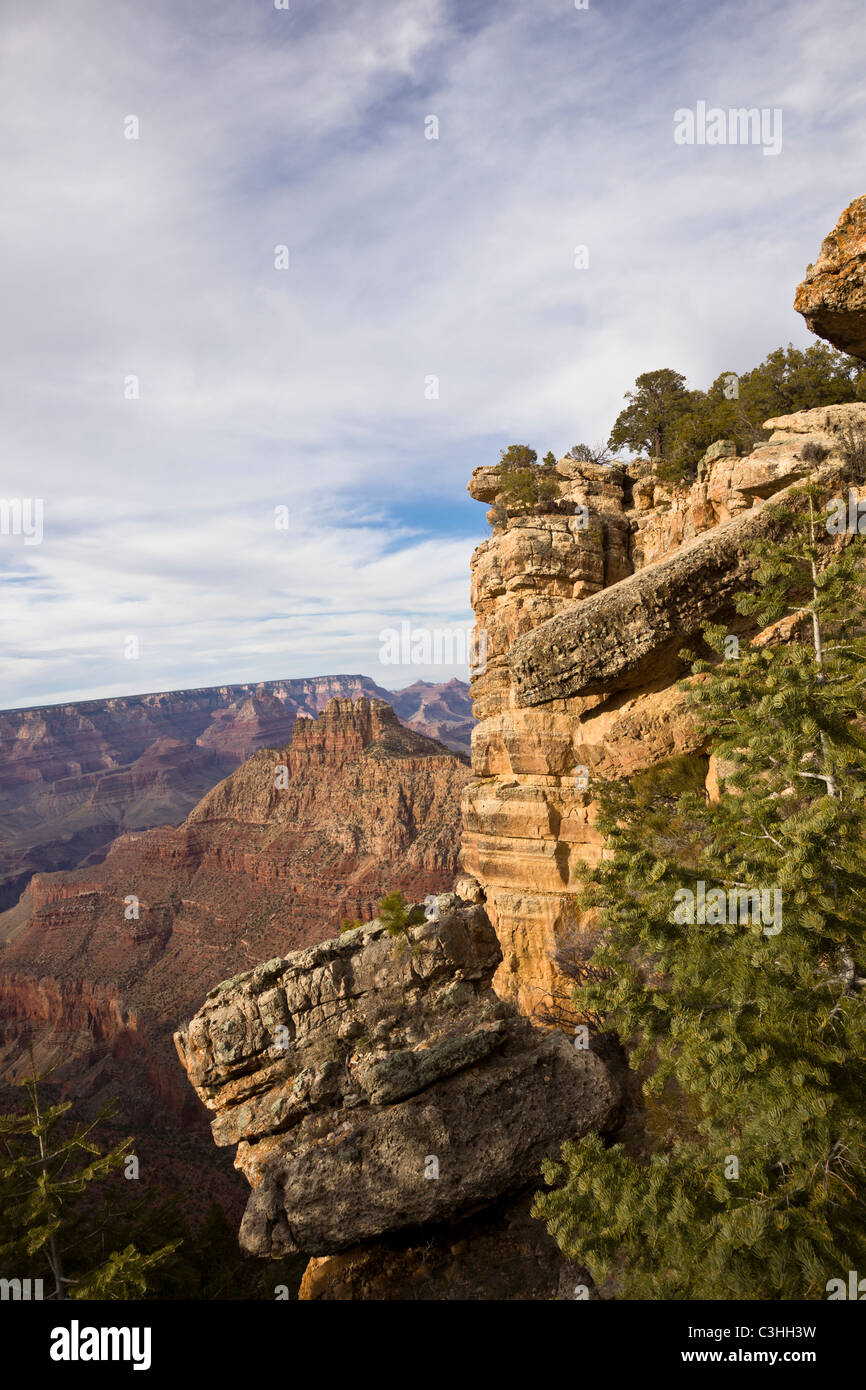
(586,608)
(73,777)
(102,962)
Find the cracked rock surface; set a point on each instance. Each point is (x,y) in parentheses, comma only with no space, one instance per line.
(376,1084)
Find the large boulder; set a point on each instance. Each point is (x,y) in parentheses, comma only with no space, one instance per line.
(375,1085)
(832,297)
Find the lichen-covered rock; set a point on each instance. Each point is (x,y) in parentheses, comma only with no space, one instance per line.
(832,296)
(375,1084)
(722,448)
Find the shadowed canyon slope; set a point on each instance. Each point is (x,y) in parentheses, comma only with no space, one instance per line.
(73,777)
(108,959)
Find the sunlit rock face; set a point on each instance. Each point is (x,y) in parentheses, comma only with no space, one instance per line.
(832,295)
(586,609)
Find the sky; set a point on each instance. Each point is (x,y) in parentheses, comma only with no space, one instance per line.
(251,357)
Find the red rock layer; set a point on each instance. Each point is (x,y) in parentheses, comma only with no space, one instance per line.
(109,959)
(73,777)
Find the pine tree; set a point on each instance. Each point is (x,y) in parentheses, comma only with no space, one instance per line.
(56,1218)
(653,408)
(745,1027)
(397,916)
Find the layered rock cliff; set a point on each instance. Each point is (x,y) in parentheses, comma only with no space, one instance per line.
(585,609)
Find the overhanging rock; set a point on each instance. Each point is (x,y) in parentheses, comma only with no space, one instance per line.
(612,639)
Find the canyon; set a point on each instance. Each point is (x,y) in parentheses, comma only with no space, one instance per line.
(342,1073)
(75,776)
(102,961)
(389,1092)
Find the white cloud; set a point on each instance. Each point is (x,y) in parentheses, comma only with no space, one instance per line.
(408,257)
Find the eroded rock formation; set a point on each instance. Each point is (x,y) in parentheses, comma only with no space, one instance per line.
(375,1085)
(73,777)
(832,296)
(585,613)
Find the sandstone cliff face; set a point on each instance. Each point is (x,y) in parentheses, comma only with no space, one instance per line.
(73,777)
(375,1085)
(584,624)
(832,296)
(103,961)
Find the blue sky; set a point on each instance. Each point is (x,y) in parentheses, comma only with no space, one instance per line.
(408,258)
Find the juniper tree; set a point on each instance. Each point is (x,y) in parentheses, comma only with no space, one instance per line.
(665,419)
(653,408)
(748,1180)
(525,485)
